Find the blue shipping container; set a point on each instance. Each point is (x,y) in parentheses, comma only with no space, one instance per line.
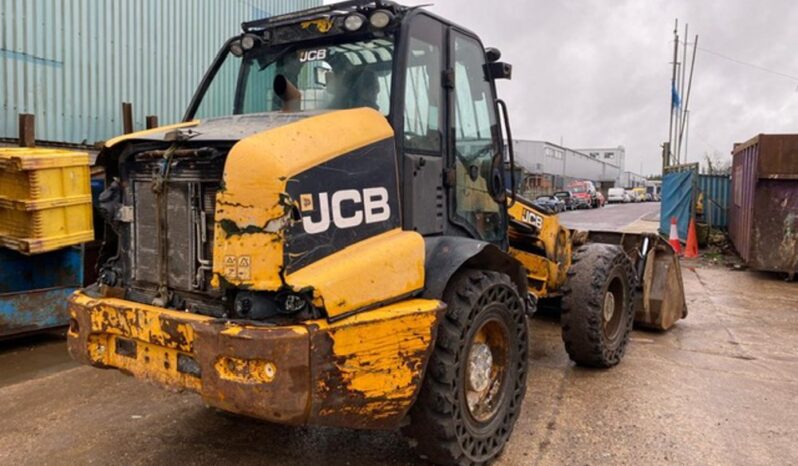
(34,289)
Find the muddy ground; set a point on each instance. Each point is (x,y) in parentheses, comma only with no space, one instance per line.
(719,388)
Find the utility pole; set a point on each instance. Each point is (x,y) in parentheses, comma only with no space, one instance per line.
(673,87)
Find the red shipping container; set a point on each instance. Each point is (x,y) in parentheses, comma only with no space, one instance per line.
(763,220)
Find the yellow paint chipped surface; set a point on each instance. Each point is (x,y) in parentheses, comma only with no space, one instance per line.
(379,355)
(151,362)
(255,176)
(382,267)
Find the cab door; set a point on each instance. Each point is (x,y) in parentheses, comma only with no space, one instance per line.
(475,158)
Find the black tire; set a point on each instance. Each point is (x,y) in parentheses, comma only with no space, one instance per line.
(601,277)
(444,427)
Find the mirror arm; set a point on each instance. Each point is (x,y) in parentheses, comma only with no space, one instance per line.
(510,150)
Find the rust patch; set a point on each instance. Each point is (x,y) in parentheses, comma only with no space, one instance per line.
(367,372)
(261,372)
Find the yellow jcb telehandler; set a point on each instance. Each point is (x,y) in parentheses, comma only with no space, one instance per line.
(325,238)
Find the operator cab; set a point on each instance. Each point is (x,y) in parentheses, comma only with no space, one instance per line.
(432,80)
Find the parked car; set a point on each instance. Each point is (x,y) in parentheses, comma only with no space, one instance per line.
(567,197)
(584,193)
(632,195)
(649,198)
(641,194)
(616,195)
(553,203)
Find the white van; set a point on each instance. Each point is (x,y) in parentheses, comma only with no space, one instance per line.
(615,195)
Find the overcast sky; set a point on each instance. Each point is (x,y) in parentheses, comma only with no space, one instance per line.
(597,72)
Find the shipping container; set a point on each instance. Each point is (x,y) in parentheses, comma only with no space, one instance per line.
(72,63)
(34,289)
(763,220)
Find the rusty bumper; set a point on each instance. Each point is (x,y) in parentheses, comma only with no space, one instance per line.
(364,371)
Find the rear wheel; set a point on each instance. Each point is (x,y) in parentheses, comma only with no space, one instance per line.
(597,312)
(476,377)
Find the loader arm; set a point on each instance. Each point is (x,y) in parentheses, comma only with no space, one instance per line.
(545,248)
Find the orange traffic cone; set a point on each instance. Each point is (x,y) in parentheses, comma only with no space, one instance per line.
(691,250)
(674,237)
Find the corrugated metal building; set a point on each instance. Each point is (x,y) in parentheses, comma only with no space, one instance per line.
(548,167)
(72,62)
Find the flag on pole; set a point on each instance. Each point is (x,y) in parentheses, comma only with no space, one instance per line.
(676,101)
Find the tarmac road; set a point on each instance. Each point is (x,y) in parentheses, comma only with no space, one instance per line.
(719,388)
(631,217)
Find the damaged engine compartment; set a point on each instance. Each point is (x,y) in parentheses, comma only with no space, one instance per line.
(160,208)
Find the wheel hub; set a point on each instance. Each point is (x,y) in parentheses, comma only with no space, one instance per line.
(609,305)
(486,369)
(480,363)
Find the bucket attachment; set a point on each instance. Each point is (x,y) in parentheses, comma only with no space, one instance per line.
(660,300)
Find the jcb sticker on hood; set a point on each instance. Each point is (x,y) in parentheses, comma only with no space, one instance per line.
(347,199)
(370,206)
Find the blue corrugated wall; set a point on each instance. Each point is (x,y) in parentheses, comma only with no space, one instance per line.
(73,62)
(716,189)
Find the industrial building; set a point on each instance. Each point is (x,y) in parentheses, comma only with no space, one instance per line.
(612,155)
(72,64)
(545,167)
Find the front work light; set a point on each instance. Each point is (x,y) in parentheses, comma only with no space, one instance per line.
(236,48)
(354,22)
(381,18)
(249,41)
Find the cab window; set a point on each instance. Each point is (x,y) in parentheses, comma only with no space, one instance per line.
(423,91)
(475,135)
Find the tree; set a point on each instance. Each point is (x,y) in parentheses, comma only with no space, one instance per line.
(717,163)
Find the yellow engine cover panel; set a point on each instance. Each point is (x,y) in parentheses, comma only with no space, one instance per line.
(314,204)
(381,267)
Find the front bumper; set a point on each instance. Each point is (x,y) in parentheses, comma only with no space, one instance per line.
(362,372)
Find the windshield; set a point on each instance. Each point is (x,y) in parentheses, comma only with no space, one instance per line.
(299,77)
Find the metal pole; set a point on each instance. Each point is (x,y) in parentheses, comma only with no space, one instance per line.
(681,93)
(677,118)
(673,86)
(690,81)
(686,132)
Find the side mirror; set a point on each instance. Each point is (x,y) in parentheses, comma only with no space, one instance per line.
(498,70)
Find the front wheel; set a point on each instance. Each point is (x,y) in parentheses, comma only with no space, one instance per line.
(597,310)
(476,377)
